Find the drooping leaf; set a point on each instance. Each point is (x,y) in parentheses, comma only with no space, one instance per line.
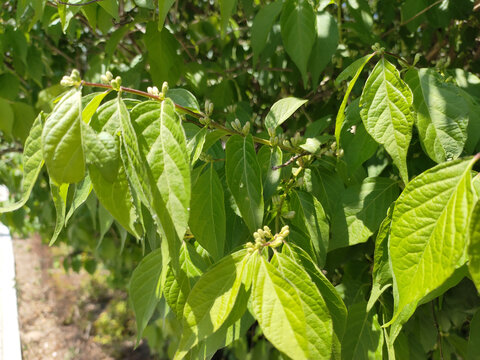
(428,232)
(364,207)
(59,195)
(262,24)
(212,299)
(298,33)
(32,163)
(7,118)
(62,140)
(144,289)
(267,159)
(195,145)
(442,114)
(184,98)
(82,191)
(163,9)
(281,111)
(318,320)
(474,338)
(93,105)
(227,8)
(354,69)
(363,338)
(207,213)
(244,179)
(382,274)
(474,246)
(385,109)
(327,187)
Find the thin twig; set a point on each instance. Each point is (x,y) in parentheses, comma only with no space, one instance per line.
(290,161)
(78,4)
(437,326)
(413,17)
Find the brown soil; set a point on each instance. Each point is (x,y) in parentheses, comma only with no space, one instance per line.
(52,325)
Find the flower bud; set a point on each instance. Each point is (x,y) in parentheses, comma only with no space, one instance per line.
(246,129)
(289,215)
(109,75)
(164,87)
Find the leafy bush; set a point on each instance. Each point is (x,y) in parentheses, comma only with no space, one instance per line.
(329,208)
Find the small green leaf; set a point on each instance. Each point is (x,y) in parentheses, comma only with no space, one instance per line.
(281,111)
(32,163)
(298,33)
(212,299)
(163,8)
(428,238)
(474,246)
(93,105)
(262,24)
(207,213)
(7,118)
(354,69)
(62,140)
(227,8)
(183,98)
(59,195)
(144,289)
(82,191)
(195,145)
(474,338)
(442,114)
(244,179)
(385,110)
(268,158)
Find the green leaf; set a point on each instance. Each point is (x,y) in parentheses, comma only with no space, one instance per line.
(385,110)
(298,33)
(212,299)
(244,179)
(227,8)
(354,69)
(32,163)
(207,213)
(428,238)
(363,338)
(195,145)
(325,45)
(268,158)
(62,140)
(309,215)
(93,105)
(184,98)
(318,320)
(281,111)
(82,191)
(474,338)
(327,186)
(364,208)
(144,289)
(474,246)
(59,195)
(6,118)
(162,143)
(24,118)
(442,114)
(382,274)
(262,24)
(163,9)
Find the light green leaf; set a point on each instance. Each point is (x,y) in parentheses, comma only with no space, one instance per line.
(163,9)
(111,7)
(318,320)
(385,110)
(195,145)
(103,151)
(244,179)
(62,140)
(82,191)
(309,215)
(59,195)
(278,309)
(212,299)
(24,118)
(354,69)
(93,105)
(382,274)
(144,289)
(281,111)
(442,114)
(184,98)
(227,8)
(163,145)
(32,163)
(364,208)
(363,338)
(325,45)
(207,213)
(428,238)
(474,246)
(262,24)
(298,33)
(474,338)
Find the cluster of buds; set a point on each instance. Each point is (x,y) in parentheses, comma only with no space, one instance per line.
(72,80)
(275,139)
(153,90)
(107,77)
(208,108)
(237,126)
(296,140)
(376,47)
(205,157)
(263,237)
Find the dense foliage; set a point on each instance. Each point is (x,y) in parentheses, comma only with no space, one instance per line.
(291,179)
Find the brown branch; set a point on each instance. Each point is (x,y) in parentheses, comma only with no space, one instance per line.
(290,161)
(78,4)
(413,17)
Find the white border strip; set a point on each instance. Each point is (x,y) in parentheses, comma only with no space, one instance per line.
(10,347)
